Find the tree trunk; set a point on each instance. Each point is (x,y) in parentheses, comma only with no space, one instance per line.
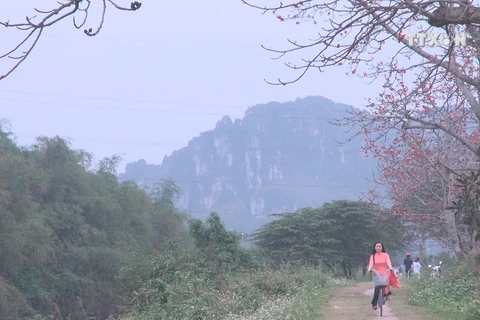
(450,225)
(452,233)
(476,255)
(448,216)
(423,246)
(464,238)
(344,267)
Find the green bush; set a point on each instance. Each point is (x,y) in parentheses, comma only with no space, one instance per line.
(453,295)
(182,286)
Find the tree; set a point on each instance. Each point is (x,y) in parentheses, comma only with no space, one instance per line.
(301,237)
(109,165)
(218,245)
(65,231)
(340,235)
(169,219)
(435,138)
(357,227)
(34,26)
(418,169)
(165,191)
(439,109)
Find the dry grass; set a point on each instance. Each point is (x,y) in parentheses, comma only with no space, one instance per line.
(351,303)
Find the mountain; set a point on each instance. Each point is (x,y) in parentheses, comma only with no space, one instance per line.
(279,157)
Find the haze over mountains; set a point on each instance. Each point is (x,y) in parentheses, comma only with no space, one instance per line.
(278,158)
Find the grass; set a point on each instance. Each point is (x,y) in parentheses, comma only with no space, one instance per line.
(303,305)
(403,310)
(454,295)
(261,295)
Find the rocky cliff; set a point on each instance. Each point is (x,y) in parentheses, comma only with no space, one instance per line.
(279,157)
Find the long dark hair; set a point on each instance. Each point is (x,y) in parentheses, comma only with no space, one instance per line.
(375,251)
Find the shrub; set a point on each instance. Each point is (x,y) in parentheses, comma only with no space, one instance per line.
(454,295)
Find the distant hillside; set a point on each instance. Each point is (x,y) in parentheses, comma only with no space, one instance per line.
(279,157)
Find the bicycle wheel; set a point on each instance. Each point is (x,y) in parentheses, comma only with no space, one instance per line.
(380,302)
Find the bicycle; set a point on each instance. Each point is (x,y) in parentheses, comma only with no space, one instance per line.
(381,281)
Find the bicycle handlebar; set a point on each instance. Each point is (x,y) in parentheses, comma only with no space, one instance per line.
(382,274)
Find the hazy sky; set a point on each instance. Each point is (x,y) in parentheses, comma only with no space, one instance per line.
(155,78)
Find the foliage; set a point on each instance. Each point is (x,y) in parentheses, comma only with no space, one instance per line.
(12,301)
(299,237)
(219,246)
(217,279)
(183,287)
(78,244)
(66,231)
(454,295)
(339,235)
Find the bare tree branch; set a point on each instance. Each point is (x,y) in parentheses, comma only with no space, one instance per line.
(34,26)
(372,24)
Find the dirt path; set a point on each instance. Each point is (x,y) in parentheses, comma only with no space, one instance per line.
(387,312)
(353,303)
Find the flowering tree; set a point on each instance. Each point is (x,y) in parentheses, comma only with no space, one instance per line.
(33,26)
(419,166)
(424,126)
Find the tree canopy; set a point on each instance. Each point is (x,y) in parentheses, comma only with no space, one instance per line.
(339,235)
(65,231)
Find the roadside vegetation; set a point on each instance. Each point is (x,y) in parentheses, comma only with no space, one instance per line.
(76,244)
(453,295)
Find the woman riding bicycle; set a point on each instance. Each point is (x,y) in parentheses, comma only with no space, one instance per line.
(380,262)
